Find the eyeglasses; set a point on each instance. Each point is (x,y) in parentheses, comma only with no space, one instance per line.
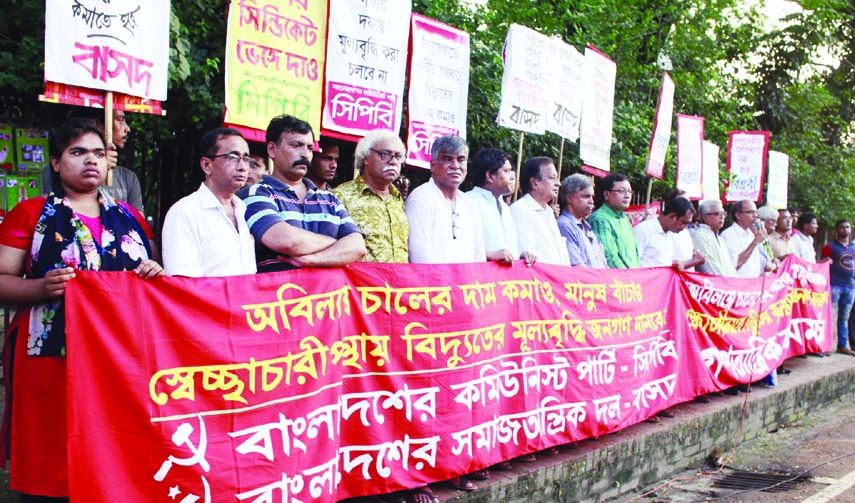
(750,212)
(455,223)
(386,156)
(234,159)
(622,191)
(715,213)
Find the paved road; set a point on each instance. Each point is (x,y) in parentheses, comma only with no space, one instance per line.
(821,446)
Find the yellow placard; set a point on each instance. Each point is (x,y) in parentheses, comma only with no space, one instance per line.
(275,61)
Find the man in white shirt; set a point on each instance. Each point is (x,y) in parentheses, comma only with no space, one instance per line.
(493,178)
(537,230)
(655,248)
(744,241)
(806,229)
(205,233)
(445,228)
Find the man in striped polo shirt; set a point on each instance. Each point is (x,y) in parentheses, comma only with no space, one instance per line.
(295,223)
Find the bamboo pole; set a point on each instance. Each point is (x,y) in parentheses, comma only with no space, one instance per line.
(108,127)
(519,166)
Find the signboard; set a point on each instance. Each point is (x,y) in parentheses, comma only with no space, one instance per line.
(746,162)
(779,178)
(274,61)
(690,155)
(595,142)
(116,45)
(524,88)
(710,177)
(439,86)
(661,128)
(366,65)
(319,385)
(564,112)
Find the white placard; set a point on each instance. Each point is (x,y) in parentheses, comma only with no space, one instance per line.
(595,142)
(440,59)
(779,179)
(117,45)
(564,112)
(661,136)
(366,65)
(690,155)
(746,162)
(710,177)
(523,84)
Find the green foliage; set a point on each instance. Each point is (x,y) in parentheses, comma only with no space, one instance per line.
(724,69)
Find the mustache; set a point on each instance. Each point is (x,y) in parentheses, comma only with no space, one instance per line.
(301,162)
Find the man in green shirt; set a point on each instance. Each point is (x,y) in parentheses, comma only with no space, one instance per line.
(611,225)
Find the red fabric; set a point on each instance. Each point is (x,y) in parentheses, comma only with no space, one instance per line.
(39,462)
(17,228)
(391,384)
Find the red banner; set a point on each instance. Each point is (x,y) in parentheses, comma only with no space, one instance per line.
(317,385)
(85,97)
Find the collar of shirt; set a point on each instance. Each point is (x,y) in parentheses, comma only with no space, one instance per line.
(364,188)
(280,185)
(582,224)
(209,200)
(488,196)
(529,203)
(607,211)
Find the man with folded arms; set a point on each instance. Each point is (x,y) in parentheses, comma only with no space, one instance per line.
(294,223)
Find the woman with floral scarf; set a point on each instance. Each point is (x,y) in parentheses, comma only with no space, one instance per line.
(42,242)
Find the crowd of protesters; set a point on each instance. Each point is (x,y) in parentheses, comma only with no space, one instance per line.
(247,218)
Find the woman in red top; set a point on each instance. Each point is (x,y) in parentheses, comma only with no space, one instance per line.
(42,242)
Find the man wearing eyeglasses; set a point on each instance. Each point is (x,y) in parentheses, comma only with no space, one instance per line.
(611,224)
(444,226)
(744,241)
(373,201)
(205,233)
(708,242)
(294,223)
(324,164)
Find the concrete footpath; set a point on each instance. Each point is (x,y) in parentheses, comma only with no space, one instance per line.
(626,461)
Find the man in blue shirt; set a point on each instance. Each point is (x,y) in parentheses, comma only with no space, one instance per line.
(841,251)
(296,224)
